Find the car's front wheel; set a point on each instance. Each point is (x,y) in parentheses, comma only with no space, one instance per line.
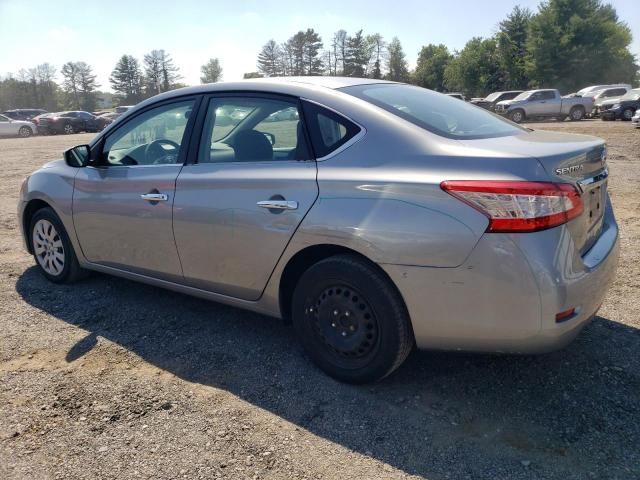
(627,114)
(52,248)
(68,129)
(516,116)
(351,319)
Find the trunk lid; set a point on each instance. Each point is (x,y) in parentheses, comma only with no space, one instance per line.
(567,158)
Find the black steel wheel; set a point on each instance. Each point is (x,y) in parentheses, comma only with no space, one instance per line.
(351,319)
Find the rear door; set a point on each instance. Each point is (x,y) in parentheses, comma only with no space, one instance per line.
(251,181)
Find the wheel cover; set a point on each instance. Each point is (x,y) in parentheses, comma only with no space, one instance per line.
(68,129)
(344,321)
(48,248)
(517,116)
(23,132)
(577,114)
(627,114)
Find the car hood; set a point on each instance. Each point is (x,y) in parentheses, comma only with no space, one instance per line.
(508,103)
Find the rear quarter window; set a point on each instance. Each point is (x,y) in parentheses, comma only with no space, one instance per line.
(328,130)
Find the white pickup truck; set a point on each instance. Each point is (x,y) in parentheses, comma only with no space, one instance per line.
(534,104)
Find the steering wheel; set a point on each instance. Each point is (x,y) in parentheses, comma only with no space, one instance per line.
(157,154)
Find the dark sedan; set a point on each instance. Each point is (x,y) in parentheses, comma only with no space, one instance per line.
(69,122)
(489,103)
(625,108)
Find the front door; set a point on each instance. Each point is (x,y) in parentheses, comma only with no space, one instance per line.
(238,205)
(122,206)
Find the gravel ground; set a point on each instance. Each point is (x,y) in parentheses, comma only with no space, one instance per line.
(112,379)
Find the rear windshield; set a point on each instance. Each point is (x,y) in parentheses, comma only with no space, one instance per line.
(435,112)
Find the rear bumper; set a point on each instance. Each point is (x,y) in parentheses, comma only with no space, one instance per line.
(505,296)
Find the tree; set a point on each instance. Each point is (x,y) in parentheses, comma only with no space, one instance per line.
(270,59)
(161,74)
(338,53)
(397,67)
(376,52)
(356,59)
(71,84)
(512,48)
(211,71)
(88,87)
(302,54)
(572,43)
(475,70)
(127,81)
(430,67)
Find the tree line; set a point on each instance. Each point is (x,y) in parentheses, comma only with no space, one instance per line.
(566,44)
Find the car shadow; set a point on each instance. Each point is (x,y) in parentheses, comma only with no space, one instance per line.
(441,415)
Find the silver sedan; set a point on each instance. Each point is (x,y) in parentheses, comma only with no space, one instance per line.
(377,217)
(16,128)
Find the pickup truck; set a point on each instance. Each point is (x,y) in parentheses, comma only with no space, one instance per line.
(534,104)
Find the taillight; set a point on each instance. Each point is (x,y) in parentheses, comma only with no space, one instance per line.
(515,206)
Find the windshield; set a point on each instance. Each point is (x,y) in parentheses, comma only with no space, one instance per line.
(493,96)
(523,96)
(632,95)
(437,113)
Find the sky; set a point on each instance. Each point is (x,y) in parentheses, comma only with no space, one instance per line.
(100,32)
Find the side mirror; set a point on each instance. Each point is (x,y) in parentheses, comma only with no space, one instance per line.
(78,156)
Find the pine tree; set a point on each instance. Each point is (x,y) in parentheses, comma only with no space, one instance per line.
(270,59)
(127,81)
(211,71)
(397,67)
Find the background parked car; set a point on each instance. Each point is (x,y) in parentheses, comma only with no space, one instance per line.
(24,113)
(623,109)
(69,122)
(594,89)
(489,103)
(21,128)
(607,94)
(547,103)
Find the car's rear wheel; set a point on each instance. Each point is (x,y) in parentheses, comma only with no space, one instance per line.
(68,129)
(576,113)
(627,114)
(517,116)
(52,248)
(351,319)
(25,132)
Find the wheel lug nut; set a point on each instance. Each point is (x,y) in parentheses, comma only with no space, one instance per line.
(347,314)
(344,334)
(352,328)
(333,325)
(336,312)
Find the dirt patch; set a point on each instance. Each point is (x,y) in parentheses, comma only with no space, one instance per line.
(113,379)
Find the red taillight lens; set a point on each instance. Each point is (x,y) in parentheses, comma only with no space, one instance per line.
(514,206)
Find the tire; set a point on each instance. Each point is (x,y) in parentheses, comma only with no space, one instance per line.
(627,114)
(25,132)
(68,129)
(52,249)
(351,320)
(517,116)
(576,114)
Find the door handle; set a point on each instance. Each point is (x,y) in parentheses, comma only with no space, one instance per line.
(278,204)
(154,197)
